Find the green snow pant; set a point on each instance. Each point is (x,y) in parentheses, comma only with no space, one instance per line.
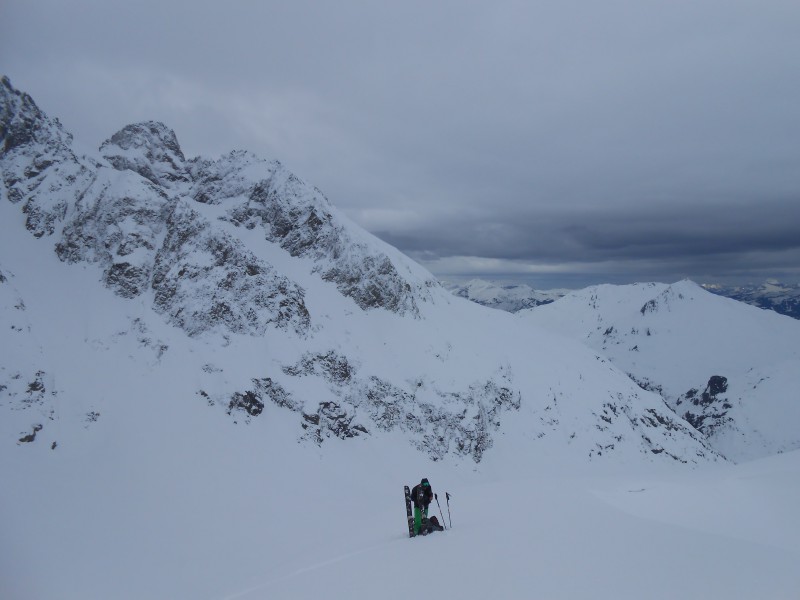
(418,514)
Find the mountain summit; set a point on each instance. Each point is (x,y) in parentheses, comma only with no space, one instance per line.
(729,369)
(150,149)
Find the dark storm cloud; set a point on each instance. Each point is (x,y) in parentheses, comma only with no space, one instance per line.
(613,137)
(617,233)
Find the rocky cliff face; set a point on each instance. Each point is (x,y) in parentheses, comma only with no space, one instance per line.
(39,169)
(300,219)
(462,422)
(143,216)
(707,411)
(150,149)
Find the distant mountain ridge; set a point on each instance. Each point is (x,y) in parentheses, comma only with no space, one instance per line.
(510,298)
(783,298)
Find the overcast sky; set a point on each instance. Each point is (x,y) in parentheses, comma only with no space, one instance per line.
(556,143)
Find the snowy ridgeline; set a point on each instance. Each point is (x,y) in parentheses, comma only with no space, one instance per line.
(243,279)
(773,295)
(730,370)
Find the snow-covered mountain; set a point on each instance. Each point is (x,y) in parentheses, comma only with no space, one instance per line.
(783,298)
(249,281)
(213,384)
(511,298)
(729,369)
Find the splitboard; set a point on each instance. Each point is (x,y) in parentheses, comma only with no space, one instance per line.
(408,512)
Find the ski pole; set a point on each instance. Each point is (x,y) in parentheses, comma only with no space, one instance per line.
(440,507)
(448,509)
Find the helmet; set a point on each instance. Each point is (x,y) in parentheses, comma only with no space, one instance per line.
(425,482)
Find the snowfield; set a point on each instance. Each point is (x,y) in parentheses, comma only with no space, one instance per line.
(220,519)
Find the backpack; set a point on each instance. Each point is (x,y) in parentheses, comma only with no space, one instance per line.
(432,525)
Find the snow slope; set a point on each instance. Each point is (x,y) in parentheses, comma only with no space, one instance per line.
(730,369)
(202,513)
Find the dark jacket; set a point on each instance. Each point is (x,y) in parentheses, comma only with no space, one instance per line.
(422,495)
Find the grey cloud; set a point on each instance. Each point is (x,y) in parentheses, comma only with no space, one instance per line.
(619,233)
(558,132)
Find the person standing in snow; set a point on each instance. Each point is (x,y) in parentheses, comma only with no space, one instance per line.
(421,495)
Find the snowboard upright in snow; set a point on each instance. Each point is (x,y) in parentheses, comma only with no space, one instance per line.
(408,512)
